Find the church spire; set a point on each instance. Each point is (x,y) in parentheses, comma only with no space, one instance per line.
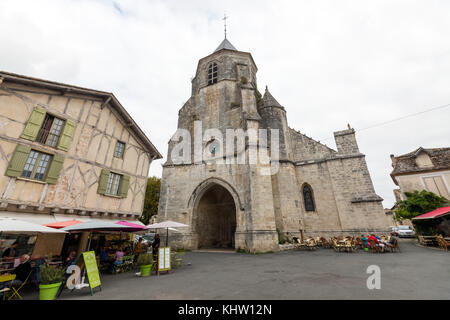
(225,43)
(269,100)
(225,23)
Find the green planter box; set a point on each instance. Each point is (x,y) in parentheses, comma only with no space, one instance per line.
(146,270)
(48,291)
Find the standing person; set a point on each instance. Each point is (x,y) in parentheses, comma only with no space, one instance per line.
(138,247)
(11,251)
(156,244)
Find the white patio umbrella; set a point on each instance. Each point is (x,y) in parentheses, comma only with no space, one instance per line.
(11,225)
(167,225)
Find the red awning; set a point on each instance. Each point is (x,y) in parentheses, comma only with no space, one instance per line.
(62,224)
(434,214)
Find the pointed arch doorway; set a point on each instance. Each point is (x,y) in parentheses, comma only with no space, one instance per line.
(215,218)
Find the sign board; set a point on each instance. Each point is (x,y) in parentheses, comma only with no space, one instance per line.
(91,268)
(164,259)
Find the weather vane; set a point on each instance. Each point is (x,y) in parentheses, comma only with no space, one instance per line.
(225,23)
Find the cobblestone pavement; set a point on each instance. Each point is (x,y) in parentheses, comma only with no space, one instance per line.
(415,273)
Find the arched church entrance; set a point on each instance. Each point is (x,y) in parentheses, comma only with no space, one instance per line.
(216,218)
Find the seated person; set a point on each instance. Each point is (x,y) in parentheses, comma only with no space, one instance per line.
(10,252)
(118,259)
(21,271)
(392,240)
(364,240)
(71,259)
(378,243)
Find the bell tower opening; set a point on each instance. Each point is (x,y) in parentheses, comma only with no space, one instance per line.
(216,218)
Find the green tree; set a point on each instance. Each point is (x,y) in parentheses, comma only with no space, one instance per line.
(151,199)
(418,203)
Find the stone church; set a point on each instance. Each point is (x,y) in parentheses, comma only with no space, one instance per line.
(316,191)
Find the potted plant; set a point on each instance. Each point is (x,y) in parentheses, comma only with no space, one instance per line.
(51,279)
(145,261)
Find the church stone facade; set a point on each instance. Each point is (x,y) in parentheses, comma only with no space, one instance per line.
(316,191)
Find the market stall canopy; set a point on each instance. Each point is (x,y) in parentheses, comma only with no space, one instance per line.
(434,214)
(98,225)
(166,224)
(10,225)
(62,224)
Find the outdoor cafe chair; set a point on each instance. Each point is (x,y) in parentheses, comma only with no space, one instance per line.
(16,290)
(337,246)
(394,246)
(360,243)
(6,278)
(425,242)
(443,244)
(325,243)
(299,245)
(373,247)
(311,244)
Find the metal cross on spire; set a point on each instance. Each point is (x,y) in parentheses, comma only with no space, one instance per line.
(225,23)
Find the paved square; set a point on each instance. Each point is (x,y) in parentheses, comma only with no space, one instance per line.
(415,273)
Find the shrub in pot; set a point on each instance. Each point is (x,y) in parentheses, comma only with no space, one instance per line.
(51,279)
(145,261)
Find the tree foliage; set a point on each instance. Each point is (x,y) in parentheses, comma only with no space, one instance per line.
(418,203)
(151,199)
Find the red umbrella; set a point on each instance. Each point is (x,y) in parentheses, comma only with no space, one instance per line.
(62,224)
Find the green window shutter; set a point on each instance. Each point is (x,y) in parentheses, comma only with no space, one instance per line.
(124,185)
(67,135)
(103,181)
(34,124)
(55,169)
(18,160)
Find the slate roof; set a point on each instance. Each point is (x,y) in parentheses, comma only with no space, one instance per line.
(440,157)
(269,100)
(225,45)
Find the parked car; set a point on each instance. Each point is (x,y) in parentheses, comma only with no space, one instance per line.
(147,238)
(404,231)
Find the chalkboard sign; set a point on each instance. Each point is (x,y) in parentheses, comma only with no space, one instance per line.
(92,270)
(164,259)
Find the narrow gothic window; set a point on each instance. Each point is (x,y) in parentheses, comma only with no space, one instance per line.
(212,73)
(308,198)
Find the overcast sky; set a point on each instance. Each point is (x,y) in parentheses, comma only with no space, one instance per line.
(328,63)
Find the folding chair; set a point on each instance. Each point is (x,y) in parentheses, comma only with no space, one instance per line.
(15,291)
(6,278)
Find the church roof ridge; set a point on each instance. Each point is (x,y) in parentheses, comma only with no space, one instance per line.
(312,139)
